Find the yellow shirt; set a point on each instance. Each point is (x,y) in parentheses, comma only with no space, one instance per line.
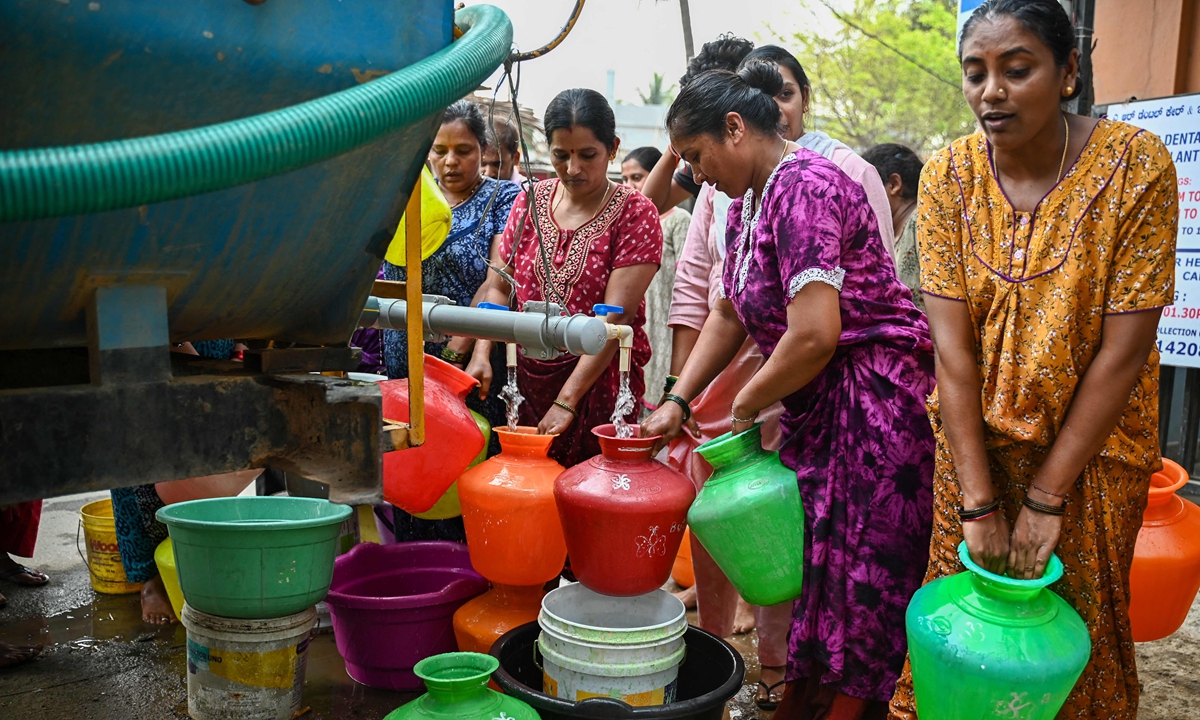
(1039,284)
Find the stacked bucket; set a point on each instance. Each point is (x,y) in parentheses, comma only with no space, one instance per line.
(251,570)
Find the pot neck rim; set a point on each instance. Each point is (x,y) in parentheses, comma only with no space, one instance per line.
(730,450)
(456,676)
(1001,587)
(1163,486)
(631,449)
(524,442)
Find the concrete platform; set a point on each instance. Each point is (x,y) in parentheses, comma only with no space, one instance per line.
(101,662)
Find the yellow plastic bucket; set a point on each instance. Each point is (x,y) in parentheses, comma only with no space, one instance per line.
(103,558)
(164,558)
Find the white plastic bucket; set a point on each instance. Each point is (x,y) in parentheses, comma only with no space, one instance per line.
(246,669)
(628,649)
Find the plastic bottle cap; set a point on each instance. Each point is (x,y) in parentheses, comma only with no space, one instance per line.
(602,310)
(492,306)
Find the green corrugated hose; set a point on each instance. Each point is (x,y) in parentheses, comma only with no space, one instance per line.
(62,181)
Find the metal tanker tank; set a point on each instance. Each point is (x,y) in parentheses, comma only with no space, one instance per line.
(205,170)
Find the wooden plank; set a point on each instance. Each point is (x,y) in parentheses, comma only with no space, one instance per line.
(390,289)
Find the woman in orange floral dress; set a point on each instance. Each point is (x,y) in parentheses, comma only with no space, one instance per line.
(1047,255)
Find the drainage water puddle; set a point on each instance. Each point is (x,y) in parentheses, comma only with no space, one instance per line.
(108,617)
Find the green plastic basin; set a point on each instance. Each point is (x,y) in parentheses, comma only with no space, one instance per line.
(254,557)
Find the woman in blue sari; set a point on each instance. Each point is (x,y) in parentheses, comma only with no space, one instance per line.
(479,206)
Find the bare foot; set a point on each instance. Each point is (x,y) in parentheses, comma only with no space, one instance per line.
(743,619)
(688,596)
(156,605)
(16,654)
(770,688)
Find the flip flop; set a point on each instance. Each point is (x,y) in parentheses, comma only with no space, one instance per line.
(12,575)
(769,704)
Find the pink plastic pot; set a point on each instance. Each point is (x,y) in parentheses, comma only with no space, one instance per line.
(393,606)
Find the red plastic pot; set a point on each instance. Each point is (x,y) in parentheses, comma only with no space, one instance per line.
(623,515)
(415,478)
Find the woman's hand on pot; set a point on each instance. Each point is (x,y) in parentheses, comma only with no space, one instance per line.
(480,368)
(988,542)
(667,422)
(555,421)
(1034,537)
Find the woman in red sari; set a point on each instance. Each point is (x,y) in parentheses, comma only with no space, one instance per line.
(602,245)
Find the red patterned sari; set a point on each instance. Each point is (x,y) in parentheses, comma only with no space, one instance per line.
(625,232)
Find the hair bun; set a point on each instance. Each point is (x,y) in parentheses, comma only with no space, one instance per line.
(762,76)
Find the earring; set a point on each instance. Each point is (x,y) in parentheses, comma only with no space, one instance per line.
(1070,89)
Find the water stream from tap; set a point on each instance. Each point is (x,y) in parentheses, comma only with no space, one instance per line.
(623,407)
(512,398)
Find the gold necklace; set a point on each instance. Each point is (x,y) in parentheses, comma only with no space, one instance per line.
(563,193)
(470,194)
(1066,144)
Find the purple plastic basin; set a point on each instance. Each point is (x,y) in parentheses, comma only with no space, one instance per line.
(393,606)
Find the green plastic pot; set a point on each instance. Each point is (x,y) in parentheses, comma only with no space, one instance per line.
(457,684)
(254,557)
(750,519)
(983,645)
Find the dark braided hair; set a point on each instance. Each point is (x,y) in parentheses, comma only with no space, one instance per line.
(704,103)
(724,53)
(470,115)
(1044,18)
(581,107)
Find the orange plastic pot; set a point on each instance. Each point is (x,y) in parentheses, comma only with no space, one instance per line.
(513,531)
(415,478)
(480,622)
(1166,560)
(682,572)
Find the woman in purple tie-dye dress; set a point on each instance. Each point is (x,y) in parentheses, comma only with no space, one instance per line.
(849,355)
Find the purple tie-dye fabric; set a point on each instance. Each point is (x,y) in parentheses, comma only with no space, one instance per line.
(857,434)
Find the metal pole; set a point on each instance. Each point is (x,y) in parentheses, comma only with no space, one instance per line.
(1166,397)
(1083,14)
(414,327)
(685,13)
(1190,431)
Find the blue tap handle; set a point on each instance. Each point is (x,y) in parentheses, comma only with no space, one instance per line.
(602,310)
(492,306)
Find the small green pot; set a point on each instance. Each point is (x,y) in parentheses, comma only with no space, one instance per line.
(457,684)
(749,517)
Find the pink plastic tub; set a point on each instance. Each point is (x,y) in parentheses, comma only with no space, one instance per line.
(393,606)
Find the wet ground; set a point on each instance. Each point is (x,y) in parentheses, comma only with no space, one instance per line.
(101,662)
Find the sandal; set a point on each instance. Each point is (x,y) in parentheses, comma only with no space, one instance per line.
(40,578)
(772,701)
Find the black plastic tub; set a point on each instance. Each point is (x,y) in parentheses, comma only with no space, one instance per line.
(711,674)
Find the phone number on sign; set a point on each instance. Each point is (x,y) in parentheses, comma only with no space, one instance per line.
(1184,313)
(1179,348)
